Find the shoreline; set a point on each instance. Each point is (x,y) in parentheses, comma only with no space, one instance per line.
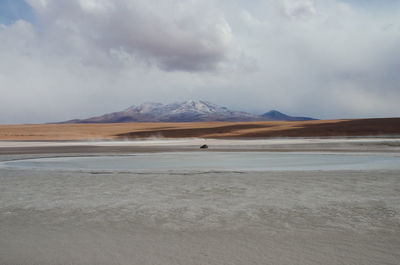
(383,145)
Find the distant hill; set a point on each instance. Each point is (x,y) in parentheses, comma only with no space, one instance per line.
(275,115)
(187,111)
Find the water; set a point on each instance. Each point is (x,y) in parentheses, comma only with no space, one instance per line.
(216,161)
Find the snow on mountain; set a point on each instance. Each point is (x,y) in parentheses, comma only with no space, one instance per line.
(187,111)
(190,106)
(145,107)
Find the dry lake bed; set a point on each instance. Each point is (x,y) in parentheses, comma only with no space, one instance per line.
(279,201)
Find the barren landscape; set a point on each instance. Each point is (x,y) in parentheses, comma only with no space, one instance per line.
(317,128)
(144,193)
(199,132)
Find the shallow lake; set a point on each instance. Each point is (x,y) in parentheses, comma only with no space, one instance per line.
(212,161)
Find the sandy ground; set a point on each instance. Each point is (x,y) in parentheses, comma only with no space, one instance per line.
(361,127)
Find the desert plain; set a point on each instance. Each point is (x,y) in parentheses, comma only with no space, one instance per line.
(313,192)
(231,130)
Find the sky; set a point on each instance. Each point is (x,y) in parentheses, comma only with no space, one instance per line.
(327,59)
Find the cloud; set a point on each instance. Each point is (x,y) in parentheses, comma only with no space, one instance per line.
(326,59)
(299,9)
(172,34)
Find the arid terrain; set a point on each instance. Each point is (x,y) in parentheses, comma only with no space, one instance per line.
(317,128)
(82,194)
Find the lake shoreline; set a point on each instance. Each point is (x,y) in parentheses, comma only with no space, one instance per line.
(70,148)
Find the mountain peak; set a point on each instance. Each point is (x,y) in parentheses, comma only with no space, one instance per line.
(200,106)
(274,112)
(279,116)
(185,111)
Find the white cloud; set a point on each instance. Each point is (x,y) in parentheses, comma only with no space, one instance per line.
(326,59)
(299,9)
(97,6)
(172,34)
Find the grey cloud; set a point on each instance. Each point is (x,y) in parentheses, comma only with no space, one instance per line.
(337,63)
(299,9)
(172,34)
(86,58)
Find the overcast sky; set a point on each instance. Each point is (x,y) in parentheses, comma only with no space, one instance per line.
(327,59)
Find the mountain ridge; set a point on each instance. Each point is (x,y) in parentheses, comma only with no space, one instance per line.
(186,111)
(279,116)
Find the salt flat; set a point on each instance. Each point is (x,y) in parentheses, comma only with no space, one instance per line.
(296,144)
(197,141)
(195,215)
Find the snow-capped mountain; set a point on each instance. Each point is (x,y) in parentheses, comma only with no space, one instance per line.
(187,111)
